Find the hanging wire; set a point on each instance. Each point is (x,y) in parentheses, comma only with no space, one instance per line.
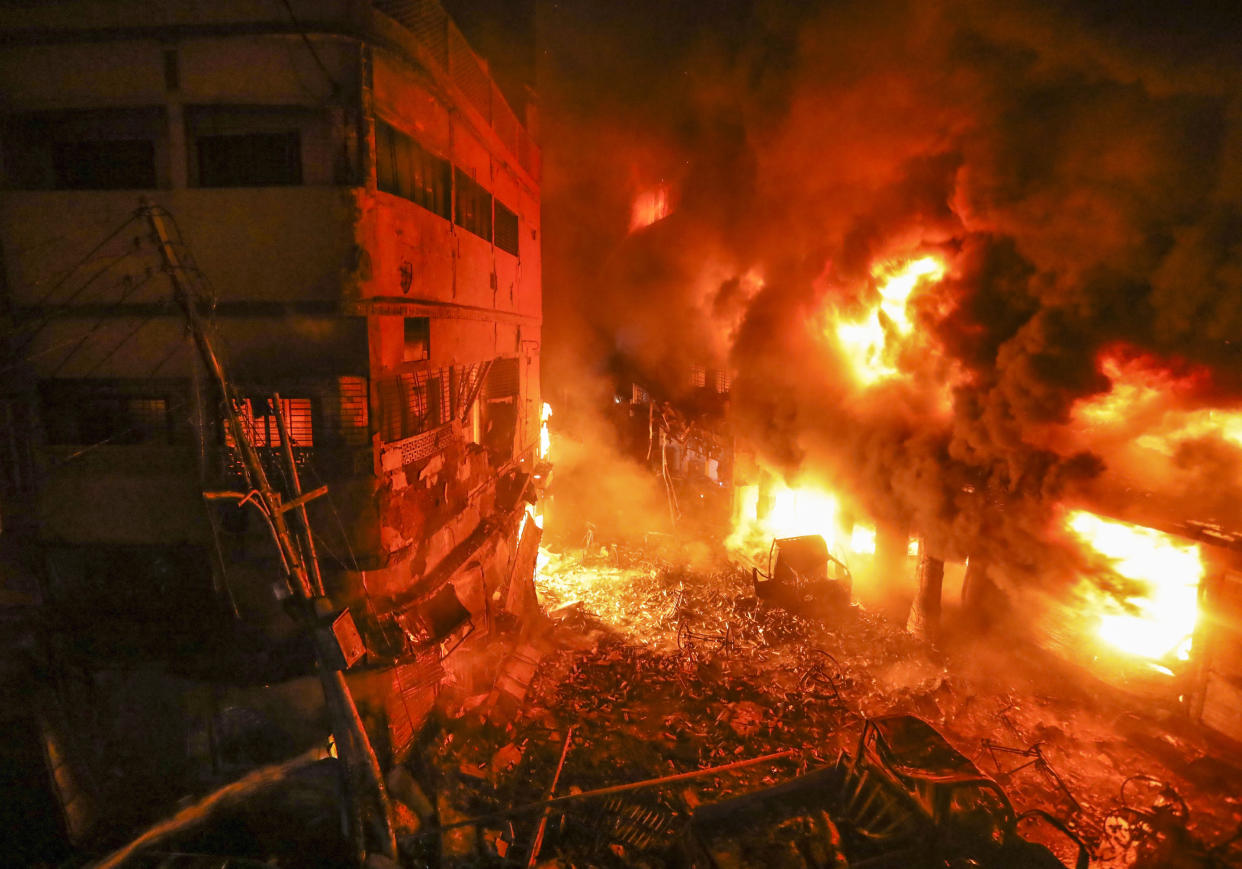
(336,88)
(129,291)
(87,258)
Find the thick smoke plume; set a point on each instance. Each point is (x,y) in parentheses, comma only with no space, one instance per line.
(1080,179)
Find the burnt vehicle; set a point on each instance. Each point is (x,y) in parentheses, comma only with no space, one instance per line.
(906,799)
(803,576)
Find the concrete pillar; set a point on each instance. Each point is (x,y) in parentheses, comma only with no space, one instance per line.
(924,619)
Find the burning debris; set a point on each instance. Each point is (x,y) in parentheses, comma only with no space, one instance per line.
(684,722)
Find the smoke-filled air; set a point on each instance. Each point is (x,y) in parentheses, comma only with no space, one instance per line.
(967,264)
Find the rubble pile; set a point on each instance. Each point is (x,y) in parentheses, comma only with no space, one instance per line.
(661,669)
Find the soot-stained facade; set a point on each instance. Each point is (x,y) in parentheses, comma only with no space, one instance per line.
(359,207)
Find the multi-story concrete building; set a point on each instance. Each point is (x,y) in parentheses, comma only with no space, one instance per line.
(358,206)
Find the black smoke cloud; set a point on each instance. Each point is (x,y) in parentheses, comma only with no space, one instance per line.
(1079,175)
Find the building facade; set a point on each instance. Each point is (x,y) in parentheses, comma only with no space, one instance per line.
(357,209)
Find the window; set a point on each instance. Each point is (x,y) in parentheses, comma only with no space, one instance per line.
(81,414)
(417,339)
(407,169)
(500,411)
(474,206)
(258,418)
(114,149)
(353,411)
(506,229)
(257,146)
(121,164)
(250,159)
(414,403)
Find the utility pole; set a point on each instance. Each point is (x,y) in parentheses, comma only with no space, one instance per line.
(354,748)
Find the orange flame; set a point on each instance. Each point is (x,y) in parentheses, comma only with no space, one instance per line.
(1159,620)
(650,206)
(789,512)
(862,540)
(1147,399)
(873,342)
(545,441)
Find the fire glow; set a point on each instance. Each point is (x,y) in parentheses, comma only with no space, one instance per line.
(1147,397)
(795,511)
(873,341)
(790,512)
(545,440)
(1159,621)
(650,206)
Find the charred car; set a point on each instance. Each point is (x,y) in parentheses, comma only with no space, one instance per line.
(803,576)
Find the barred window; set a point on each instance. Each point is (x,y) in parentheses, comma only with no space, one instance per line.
(250,160)
(405,168)
(258,418)
(353,413)
(117,164)
(96,149)
(506,229)
(474,206)
(414,403)
(81,414)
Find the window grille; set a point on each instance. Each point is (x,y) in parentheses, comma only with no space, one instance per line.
(502,378)
(85,149)
(474,206)
(80,414)
(506,229)
(414,402)
(405,168)
(354,416)
(118,164)
(250,160)
(258,419)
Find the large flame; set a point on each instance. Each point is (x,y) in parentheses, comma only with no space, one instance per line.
(1159,620)
(650,206)
(873,341)
(545,440)
(1145,398)
(782,510)
(785,512)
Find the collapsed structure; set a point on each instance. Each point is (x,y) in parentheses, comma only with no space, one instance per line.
(357,207)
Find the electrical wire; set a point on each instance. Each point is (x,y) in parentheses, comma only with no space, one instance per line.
(85,259)
(336,88)
(133,288)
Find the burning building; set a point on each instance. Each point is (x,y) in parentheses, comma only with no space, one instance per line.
(908,296)
(351,206)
